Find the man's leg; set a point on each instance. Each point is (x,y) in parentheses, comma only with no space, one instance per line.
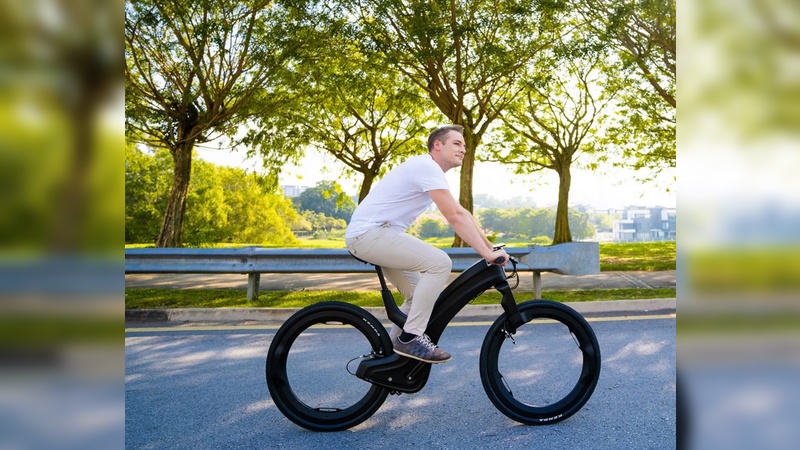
(397,251)
(406,283)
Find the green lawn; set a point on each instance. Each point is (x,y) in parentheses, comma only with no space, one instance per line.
(649,256)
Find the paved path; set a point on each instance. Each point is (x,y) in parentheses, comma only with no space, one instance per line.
(369,281)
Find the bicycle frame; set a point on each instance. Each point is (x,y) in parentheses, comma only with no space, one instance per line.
(408,375)
(389,373)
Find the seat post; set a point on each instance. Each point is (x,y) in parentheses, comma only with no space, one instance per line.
(392,311)
(381,278)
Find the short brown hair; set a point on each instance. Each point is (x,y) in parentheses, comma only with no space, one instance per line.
(440,132)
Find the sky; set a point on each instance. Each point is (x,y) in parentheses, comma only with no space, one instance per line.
(603,189)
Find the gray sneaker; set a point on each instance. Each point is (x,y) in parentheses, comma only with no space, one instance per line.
(421,348)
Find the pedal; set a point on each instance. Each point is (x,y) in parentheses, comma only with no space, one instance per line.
(395,372)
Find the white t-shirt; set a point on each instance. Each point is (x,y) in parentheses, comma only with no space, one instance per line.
(399,198)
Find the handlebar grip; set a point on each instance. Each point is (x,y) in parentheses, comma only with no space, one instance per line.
(499,260)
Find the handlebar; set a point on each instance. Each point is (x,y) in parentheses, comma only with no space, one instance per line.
(499,259)
(511,259)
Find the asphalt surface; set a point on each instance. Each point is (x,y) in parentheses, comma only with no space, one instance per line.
(368,281)
(198,388)
(195,377)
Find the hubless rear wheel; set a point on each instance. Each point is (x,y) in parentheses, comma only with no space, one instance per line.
(311,363)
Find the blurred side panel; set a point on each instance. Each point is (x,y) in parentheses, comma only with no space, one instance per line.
(61,224)
(739,250)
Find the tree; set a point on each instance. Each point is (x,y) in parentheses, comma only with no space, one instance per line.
(747,70)
(224,204)
(429,227)
(369,120)
(323,225)
(534,222)
(327,198)
(207,214)
(146,184)
(529,223)
(580,226)
(604,222)
(361,112)
(557,119)
(253,213)
(643,33)
(193,69)
(464,55)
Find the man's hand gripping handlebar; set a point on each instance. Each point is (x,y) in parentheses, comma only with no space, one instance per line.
(499,256)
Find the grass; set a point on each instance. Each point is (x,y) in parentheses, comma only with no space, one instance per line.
(146,298)
(645,256)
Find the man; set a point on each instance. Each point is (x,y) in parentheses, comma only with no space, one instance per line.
(420,271)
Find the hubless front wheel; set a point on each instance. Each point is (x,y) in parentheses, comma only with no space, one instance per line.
(547,370)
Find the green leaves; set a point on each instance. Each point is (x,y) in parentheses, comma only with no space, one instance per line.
(365,81)
(326,198)
(195,72)
(530,223)
(643,37)
(223,204)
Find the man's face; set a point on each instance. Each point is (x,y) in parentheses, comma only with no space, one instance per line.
(452,148)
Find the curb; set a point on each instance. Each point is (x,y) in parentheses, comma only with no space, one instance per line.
(613,308)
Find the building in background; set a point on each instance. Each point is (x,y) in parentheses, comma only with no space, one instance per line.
(645,225)
(293,190)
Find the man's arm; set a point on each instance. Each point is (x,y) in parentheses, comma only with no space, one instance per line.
(486,240)
(465,225)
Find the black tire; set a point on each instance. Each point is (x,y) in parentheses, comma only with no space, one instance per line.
(319,392)
(547,370)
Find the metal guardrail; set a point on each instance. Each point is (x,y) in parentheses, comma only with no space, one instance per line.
(254,261)
(269,260)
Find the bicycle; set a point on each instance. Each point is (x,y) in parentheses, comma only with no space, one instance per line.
(349,380)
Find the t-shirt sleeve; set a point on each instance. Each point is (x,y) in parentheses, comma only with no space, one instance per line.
(431,177)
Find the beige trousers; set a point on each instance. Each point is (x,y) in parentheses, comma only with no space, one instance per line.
(418,270)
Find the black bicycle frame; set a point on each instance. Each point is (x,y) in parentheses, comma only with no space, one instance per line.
(409,375)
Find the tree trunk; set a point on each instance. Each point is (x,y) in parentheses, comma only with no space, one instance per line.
(366,185)
(465,187)
(172,227)
(562,233)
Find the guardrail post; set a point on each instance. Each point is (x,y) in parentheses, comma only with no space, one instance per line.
(537,284)
(569,258)
(253,280)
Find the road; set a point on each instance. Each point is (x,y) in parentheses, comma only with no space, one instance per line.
(203,387)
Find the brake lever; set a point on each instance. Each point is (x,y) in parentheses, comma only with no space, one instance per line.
(513,271)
